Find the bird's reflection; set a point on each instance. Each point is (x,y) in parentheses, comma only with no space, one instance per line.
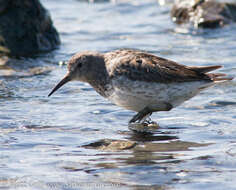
(149,137)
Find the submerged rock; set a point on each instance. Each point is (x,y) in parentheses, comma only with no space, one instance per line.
(26,28)
(203,13)
(111,145)
(151,127)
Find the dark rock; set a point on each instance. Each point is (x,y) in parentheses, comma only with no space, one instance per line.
(26,28)
(3,5)
(204,13)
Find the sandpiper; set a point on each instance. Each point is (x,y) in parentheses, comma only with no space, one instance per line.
(139,81)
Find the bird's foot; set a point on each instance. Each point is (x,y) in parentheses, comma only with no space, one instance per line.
(142,122)
(146,120)
(141,116)
(149,123)
(146,126)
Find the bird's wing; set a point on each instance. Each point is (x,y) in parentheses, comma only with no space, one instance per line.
(137,65)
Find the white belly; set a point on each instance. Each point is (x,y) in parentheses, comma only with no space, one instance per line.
(136,95)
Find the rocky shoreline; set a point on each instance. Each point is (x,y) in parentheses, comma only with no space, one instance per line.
(203,13)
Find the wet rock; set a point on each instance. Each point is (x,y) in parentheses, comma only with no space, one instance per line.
(143,127)
(39,71)
(116,145)
(6,71)
(26,28)
(3,61)
(203,13)
(111,145)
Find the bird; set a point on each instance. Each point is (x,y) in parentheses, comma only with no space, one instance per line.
(140,81)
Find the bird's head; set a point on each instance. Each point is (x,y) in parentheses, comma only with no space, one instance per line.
(79,68)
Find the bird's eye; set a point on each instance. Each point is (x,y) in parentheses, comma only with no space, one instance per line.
(79,65)
(139,61)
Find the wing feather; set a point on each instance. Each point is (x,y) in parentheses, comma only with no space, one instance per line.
(139,65)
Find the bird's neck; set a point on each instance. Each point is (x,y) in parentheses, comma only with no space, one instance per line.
(99,79)
(101,88)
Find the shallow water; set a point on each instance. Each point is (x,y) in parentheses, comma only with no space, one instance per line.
(65,141)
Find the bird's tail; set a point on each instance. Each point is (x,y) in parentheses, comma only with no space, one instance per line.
(216,77)
(205,69)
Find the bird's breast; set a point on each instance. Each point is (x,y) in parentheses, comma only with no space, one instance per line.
(136,95)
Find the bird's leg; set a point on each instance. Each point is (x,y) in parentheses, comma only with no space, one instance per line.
(146,112)
(141,116)
(142,123)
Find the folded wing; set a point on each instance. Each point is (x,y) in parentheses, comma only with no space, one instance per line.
(138,65)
